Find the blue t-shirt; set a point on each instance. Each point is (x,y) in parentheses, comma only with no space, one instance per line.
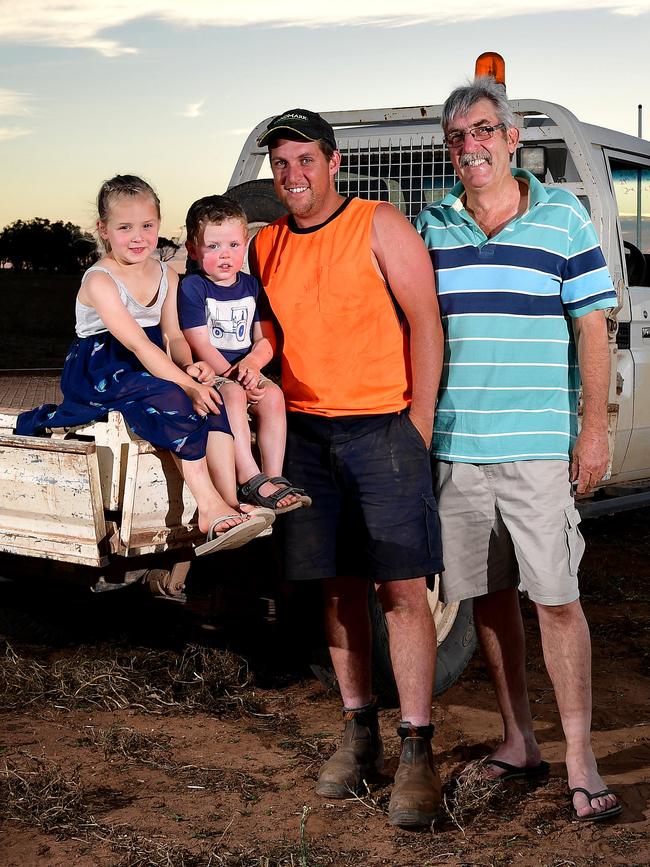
(228,311)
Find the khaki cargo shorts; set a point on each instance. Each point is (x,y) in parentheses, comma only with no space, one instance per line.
(508,525)
(224,380)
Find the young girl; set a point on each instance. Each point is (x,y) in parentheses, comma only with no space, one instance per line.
(125,319)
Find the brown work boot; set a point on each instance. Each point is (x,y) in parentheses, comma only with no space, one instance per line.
(360,756)
(417,790)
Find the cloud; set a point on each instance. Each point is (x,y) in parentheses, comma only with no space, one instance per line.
(193,109)
(74,24)
(13,103)
(9,132)
(80,23)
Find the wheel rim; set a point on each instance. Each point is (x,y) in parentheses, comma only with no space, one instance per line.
(443,615)
(254,227)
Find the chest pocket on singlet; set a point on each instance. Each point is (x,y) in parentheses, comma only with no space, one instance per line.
(338,291)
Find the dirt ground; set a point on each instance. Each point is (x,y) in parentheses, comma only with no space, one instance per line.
(160,782)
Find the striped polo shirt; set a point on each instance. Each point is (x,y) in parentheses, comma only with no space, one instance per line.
(510,382)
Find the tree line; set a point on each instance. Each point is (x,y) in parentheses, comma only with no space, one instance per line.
(55,247)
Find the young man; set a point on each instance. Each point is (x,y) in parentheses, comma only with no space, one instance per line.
(515,263)
(351,287)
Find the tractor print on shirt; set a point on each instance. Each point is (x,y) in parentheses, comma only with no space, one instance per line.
(229,323)
(235,325)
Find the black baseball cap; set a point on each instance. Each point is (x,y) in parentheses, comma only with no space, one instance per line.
(304,123)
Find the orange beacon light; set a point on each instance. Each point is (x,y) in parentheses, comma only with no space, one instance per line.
(491,63)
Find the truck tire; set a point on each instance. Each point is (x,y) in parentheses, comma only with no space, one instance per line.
(259,201)
(456,645)
(30,615)
(60,614)
(30,628)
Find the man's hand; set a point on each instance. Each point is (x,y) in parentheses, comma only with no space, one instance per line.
(424,427)
(589,460)
(590,452)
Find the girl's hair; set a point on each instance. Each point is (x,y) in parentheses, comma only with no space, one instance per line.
(118,187)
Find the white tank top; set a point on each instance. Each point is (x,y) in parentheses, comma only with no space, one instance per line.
(88,321)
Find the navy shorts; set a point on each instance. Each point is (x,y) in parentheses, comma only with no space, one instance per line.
(374,513)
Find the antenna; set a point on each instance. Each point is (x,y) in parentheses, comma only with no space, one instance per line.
(639,225)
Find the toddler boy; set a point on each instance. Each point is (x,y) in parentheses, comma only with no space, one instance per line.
(217,310)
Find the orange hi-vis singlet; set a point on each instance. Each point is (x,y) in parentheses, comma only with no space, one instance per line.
(344,347)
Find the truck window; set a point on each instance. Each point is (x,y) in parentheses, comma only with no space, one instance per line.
(408,172)
(632,191)
(631,182)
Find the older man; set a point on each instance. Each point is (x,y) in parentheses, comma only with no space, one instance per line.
(516,265)
(351,287)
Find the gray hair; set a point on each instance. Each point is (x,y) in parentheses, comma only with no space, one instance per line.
(461,100)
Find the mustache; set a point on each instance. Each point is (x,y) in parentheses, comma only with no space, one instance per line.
(466,159)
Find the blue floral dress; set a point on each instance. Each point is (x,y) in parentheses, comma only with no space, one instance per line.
(100,374)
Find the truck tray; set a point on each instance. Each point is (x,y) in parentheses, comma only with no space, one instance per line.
(81,495)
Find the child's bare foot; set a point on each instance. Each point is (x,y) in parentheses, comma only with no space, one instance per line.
(231,531)
(220,517)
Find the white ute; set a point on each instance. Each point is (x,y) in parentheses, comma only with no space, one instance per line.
(398,155)
(103,498)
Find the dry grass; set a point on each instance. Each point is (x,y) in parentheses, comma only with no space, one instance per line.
(139,851)
(40,794)
(472,796)
(221,780)
(315,749)
(124,742)
(109,678)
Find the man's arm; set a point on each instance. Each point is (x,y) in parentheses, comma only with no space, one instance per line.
(268,325)
(590,452)
(405,264)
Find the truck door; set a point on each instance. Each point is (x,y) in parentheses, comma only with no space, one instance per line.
(630,178)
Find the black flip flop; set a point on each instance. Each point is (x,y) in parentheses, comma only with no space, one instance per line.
(594,817)
(519,772)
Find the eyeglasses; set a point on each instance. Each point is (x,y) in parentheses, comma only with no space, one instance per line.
(479,133)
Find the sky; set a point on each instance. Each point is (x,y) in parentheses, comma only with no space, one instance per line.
(169,89)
